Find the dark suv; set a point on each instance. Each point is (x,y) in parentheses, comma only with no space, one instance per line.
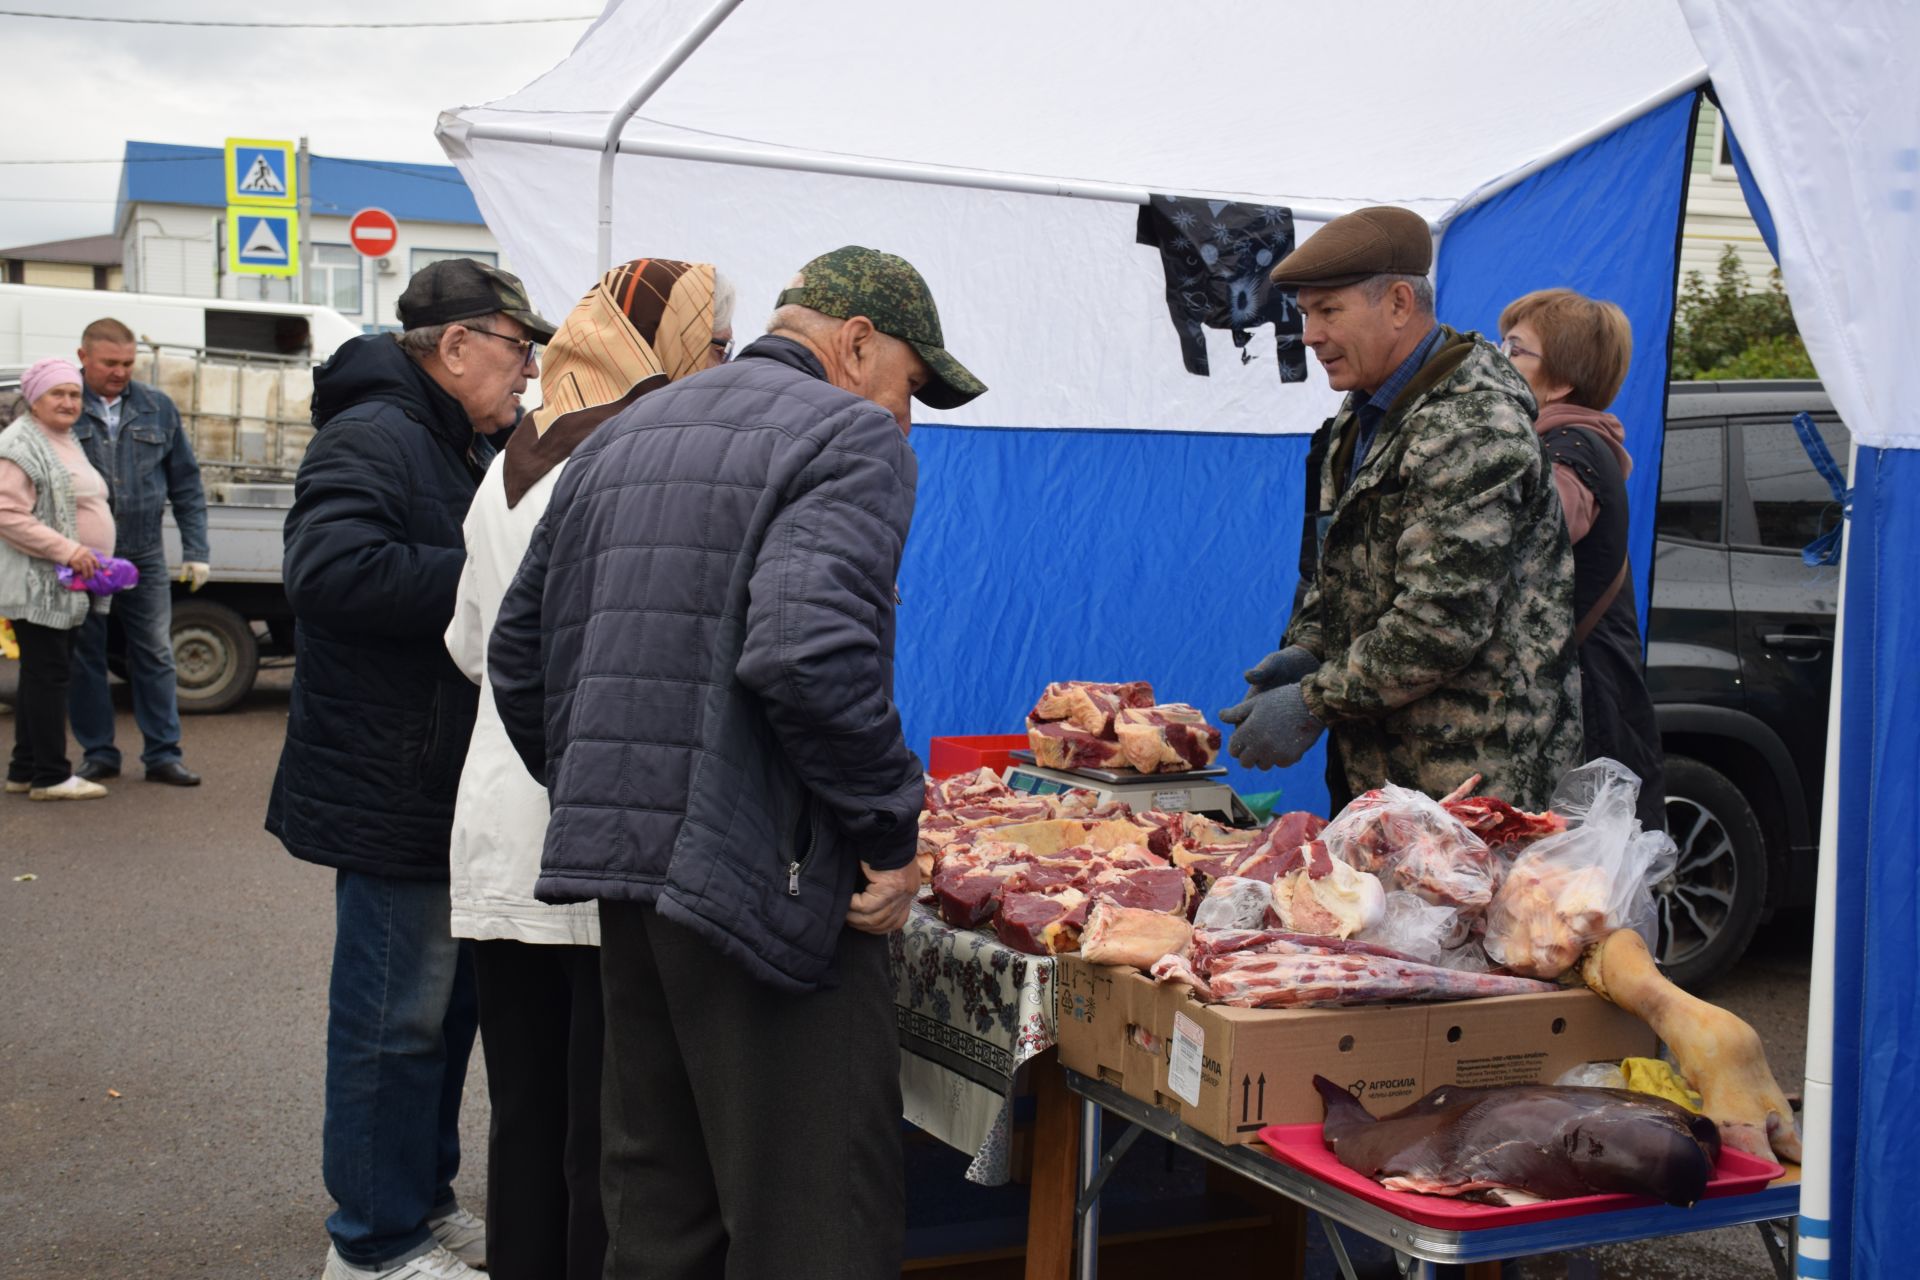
(1739,654)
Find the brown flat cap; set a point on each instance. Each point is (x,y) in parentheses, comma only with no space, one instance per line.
(1380,240)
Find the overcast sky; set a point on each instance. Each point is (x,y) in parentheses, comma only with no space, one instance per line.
(79,91)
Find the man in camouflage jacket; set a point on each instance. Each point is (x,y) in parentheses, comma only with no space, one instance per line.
(1435,637)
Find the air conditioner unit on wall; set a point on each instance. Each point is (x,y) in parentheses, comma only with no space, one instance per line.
(385,266)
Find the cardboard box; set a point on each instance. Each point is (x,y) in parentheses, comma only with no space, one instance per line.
(1228,1071)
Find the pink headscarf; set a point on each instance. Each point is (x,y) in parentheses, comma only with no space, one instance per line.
(43,375)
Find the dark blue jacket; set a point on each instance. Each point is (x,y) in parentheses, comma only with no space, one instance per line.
(697,660)
(380,718)
(151,464)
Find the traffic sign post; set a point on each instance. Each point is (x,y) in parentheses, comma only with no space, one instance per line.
(374,232)
(262,241)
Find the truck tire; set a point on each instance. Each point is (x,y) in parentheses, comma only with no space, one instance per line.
(215,656)
(1710,906)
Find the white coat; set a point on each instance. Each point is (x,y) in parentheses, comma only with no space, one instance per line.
(500,812)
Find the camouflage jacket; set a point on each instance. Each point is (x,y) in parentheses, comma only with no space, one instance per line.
(1442,609)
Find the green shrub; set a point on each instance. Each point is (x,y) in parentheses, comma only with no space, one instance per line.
(1732,330)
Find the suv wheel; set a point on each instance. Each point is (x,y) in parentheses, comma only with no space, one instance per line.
(1710,906)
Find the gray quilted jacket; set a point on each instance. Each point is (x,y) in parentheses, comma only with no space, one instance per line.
(696,657)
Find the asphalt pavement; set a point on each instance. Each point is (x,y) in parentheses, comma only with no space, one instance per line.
(163,981)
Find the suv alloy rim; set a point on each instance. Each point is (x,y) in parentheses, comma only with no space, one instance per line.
(1695,901)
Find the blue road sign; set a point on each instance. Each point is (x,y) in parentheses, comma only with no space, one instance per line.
(260,171)
(262,242)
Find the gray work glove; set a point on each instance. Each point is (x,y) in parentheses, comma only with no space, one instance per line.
(1290,665)
(1272,729)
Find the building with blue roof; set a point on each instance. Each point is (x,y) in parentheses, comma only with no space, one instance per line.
(170,219)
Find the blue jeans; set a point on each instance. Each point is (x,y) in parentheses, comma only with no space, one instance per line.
(146,619)
(401,1017)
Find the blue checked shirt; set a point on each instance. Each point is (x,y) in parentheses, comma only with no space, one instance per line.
(1370,414)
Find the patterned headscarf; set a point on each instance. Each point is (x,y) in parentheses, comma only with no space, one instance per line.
(645,317)
(646,323)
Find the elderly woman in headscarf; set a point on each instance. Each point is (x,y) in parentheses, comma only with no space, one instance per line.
(645,324)
(53,513)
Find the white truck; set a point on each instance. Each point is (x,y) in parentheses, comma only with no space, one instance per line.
(241,374)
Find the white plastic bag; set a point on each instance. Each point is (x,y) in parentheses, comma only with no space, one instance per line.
(1406,839)
(1234,902)
(1414,927)
(1574,888)
(1594,1075)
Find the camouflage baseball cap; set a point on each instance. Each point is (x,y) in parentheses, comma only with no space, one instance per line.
(855,281)
(464,289)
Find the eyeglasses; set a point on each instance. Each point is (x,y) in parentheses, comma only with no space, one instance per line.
(526,345)
(1509,348)
(724,346)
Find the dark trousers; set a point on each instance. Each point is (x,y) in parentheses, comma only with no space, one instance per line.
(40,719)
(749,1133)
(540,1031)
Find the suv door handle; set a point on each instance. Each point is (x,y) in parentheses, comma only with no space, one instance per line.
(1784,640)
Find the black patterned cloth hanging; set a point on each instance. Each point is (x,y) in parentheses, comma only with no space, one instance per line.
(1216,255)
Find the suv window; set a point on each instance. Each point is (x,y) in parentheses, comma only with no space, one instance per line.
(1691,485)
(1792,502)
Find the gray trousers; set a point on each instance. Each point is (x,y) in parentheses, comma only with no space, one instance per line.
(748,1133)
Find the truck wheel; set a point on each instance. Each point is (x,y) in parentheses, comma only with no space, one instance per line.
(1710,905)
(215,656)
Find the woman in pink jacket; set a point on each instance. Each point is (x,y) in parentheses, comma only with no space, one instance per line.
(53,513)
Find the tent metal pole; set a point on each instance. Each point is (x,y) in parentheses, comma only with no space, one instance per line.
(1480,195)
(610,142)
(856,167)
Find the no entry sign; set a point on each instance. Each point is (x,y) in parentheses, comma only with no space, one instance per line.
(373,232)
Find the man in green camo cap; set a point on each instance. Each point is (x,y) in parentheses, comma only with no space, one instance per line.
(870,317)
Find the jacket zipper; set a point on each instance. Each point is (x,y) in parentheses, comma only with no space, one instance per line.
(794,868)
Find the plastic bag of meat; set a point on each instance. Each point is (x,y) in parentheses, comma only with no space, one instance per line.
(1572,889)
(1414,927)
(1234,902)
(1411,843)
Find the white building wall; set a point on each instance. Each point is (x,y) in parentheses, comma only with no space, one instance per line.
(1716,213)
(181,249)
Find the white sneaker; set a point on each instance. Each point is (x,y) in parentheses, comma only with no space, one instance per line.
(435,1264)
(74,788)
(463,1235)
(18,788)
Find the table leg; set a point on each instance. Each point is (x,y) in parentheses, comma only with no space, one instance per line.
(1056,1175)
(1087,1251)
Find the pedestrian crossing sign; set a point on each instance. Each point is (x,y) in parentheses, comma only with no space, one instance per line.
(261,172)
(262,242)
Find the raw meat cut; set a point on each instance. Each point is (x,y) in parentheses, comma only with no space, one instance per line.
(964,788)
(1041,924)
(1061,746)
(1277,849)
(1087,705)
(1126,935)
(1177,968)
(1052,835)
(1317,895)
(1212,944)
(1170,738)
(1164,889)
(1523,1143)
(1501,825)
(969,895)
(1329,978)
(1168,832)
(1412,842)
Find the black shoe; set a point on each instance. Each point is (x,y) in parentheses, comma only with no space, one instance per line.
(94,771)
(174,774)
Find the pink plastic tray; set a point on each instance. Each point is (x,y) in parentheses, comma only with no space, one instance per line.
(1301,1146)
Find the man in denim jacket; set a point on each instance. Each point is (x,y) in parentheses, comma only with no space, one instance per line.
(132,435)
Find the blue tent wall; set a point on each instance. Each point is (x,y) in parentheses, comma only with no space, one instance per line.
(1604,221)
(1041,555)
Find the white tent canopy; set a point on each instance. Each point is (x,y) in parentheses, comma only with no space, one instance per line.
(1320,109)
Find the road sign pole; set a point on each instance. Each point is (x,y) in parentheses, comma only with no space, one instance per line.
(306,210)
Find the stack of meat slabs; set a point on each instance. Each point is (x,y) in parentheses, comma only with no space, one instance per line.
(1090,725)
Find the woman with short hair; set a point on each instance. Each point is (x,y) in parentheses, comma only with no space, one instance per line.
(53,514)
(1574,352)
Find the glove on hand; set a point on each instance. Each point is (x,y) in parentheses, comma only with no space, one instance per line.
(1285,666)
(196,573)
(1273,729)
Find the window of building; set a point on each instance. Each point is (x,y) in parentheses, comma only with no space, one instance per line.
(1691,485)
(427,257)
(337,276)
(1722,148)
(1792,502)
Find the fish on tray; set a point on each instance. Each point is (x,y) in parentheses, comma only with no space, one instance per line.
(1526,1143)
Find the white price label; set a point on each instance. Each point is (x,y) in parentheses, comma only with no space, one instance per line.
(1183,1070)
(1170,801)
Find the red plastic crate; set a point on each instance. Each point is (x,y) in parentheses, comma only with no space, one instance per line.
(948,756)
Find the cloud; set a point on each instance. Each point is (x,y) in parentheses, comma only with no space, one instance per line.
(370,95)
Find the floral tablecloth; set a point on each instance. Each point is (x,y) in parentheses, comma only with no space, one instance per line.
(971,1011)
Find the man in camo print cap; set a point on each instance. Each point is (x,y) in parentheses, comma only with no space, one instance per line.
(1433,639)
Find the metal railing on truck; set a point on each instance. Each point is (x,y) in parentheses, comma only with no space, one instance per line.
(249,416)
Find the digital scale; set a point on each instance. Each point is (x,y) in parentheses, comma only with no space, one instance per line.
(1195,791)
